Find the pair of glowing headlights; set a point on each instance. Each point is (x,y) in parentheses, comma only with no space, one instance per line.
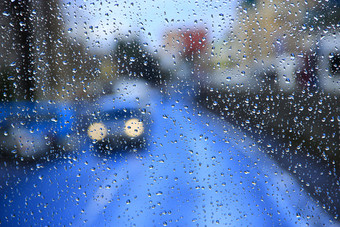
(132,128)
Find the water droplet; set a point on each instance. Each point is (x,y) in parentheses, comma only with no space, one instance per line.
(6,13)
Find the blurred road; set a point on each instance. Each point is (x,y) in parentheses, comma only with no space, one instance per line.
(196,170)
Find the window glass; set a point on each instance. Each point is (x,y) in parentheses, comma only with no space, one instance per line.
(181,113)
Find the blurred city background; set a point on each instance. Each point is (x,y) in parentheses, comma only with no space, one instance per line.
(270,67)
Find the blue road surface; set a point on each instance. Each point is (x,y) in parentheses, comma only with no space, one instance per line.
(196,170)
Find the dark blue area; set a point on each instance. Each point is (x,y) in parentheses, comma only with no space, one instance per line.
(196,169)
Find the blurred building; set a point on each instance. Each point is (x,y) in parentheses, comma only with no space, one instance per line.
(275,43)
(186,53)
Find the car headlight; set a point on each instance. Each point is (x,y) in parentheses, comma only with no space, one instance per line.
(97,131)
(134,127)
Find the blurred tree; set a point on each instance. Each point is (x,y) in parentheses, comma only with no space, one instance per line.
(7,92)
(63,66)
(135,61)
(21,25)
(38,59)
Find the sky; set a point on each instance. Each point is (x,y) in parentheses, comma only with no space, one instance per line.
(98,23)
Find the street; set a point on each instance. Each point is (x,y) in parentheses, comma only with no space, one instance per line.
(195,169)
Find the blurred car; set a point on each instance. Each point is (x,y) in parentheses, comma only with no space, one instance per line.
(30,130)
(120,120)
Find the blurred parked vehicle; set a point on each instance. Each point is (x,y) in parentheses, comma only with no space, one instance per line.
(329,63)
(30,130)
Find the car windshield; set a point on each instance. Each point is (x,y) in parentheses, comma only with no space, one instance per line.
(180,113)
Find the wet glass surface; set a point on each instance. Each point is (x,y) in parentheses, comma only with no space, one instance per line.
(169,113)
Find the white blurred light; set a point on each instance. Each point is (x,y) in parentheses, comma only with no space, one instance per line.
(97,131)
(134,128)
